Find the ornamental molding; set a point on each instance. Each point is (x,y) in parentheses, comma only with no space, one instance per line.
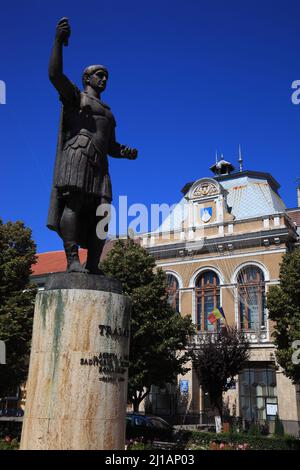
(204,188)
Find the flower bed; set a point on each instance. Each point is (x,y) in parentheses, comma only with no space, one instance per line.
(238,441)
(9,444)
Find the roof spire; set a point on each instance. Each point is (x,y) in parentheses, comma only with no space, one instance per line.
(216,156)
(240,158)
(298,191)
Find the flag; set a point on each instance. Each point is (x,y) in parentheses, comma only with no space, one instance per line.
(222,312)
(211,318)
(215,315)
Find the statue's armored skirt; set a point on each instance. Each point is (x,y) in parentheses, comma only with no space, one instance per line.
(80,170)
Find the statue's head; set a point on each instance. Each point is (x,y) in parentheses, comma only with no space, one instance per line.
(95,76)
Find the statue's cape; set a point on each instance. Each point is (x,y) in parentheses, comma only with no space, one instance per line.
(56,206)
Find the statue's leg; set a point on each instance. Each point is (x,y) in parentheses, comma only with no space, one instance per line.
(95,247)
(69,229)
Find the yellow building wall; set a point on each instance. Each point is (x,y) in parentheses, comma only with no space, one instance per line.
(228,269)
(186,270)
(227,260)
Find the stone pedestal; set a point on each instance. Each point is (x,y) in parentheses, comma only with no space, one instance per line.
(77,384)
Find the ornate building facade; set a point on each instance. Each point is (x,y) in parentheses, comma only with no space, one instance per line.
(222,245)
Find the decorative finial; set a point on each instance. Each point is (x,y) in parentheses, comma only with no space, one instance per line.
(298,191)
(216,156)
(240,159)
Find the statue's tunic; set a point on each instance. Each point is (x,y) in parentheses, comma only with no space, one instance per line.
(87,133)
(89,125)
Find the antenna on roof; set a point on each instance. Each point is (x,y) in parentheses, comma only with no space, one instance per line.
(240,159)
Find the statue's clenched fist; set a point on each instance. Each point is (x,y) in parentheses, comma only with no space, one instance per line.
(128,152)
(63,31)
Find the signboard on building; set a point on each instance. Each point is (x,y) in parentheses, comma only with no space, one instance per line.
(272,409)
(184,386)
(2,353)
(218,423)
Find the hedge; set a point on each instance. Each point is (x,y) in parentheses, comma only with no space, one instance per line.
(10,428)
(13,445)
(204,439)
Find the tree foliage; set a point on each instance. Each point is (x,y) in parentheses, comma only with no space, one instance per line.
(217,360)
(284,309)
(159,335)
(17,254)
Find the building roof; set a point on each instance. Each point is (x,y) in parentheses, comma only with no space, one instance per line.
(252,174)
(294,215)
(249,194)
(55,261)
(251,197)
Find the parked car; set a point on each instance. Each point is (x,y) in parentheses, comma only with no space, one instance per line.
(147,427)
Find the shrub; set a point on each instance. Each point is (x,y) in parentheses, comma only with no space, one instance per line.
(198,439)
(6,444)
(138,444)
(279,429)
(10,428)
(254,430)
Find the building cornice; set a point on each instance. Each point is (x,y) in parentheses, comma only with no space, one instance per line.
(228,242)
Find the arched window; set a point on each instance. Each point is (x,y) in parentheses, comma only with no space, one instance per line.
(251,298)
(207,298)
(173,291)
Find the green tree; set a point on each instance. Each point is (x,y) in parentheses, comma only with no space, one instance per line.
(159,335)
(283,303)
(17,254)
(217,360)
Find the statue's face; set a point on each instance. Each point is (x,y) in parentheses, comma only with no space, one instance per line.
(98,80)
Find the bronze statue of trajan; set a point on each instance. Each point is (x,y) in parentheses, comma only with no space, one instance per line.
(81,179)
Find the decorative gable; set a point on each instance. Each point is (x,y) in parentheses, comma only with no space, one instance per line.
(207,199)
(204,188)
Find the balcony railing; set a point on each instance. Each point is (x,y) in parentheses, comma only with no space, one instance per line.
(257,335)
(254,336)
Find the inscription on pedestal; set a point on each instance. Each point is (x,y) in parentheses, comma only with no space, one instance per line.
(106,330)
(110,364)
(111,367)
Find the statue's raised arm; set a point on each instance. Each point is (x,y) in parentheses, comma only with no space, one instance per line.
(56,75)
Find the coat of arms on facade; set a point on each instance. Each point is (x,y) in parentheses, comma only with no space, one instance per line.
(205,189)
(206,214)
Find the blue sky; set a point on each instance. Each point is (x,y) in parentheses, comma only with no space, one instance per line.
(187,78)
